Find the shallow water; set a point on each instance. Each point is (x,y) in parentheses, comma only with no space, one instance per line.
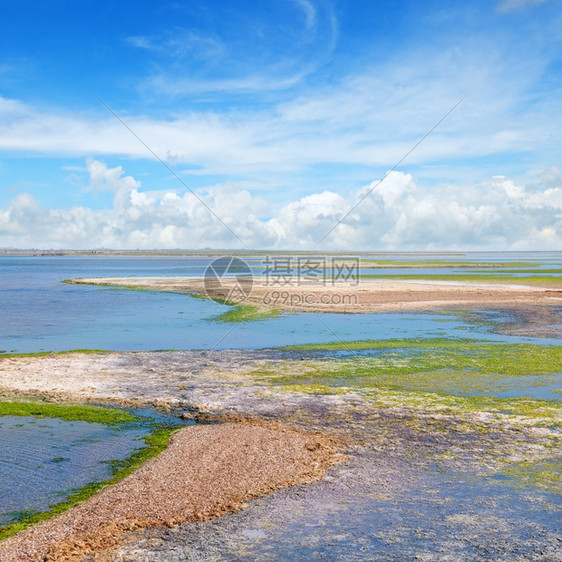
(540,387)
(370,514)
(43,459)
(443,517)
(39,313)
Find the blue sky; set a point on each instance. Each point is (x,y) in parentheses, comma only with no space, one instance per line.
(279,115)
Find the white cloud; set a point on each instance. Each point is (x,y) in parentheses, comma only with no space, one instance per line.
(552,176)
(140,41)
(254,54)
(369,118)
(181,43)
(303,223)
(331,137)
(309,13)
(400,214)
(494,214)
(512,5)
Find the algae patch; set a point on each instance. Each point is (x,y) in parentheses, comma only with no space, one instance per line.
(520,279)
(154,442)
(442,366)
(246,313)
(67,412)
(544,474)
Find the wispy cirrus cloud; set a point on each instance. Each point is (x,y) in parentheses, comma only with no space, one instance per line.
(249,56)
(140,41)
(309,12)
(328,136)
(368,119)
(513,5)
(180,43)
(248,84)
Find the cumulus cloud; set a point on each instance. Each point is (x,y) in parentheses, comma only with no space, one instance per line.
(497,213)
(400,214)
(552,176)
(303,223)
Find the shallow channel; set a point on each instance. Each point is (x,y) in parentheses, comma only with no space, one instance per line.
(43,460)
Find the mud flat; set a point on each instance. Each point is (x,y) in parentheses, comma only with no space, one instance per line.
(426,475)
(366,296)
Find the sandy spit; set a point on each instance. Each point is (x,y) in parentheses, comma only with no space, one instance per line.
(367,296)
(206,471)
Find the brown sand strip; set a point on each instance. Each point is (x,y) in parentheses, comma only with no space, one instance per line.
(206,471)
(379,295)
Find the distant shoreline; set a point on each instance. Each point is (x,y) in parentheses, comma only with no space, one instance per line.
(209,252)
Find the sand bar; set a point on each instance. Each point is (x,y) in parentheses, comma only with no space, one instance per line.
(366,296)
(206,471)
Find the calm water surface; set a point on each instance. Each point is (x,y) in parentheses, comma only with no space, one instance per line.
(43,460)
(39,313)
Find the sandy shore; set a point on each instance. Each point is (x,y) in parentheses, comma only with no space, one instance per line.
(209,470)
(392,449)
(367,296)
(206,471)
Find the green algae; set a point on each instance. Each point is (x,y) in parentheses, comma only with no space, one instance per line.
(439,375)
(418,343)
(470,278)
(551,271)
(439,264)
(543,474)
(415,373)
(155,443)
(45,353)
(109,285)
(246,313)
(396,359)
(67,412)
(516,411)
